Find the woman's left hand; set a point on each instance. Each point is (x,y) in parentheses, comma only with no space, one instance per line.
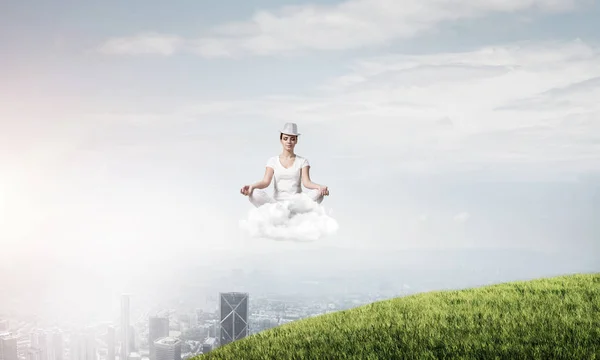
(324,190)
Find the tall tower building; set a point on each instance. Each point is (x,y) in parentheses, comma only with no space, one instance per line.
(168,348)
(110,342)
(89,341)
(3,325)
(77,348)
(133,339)
(73,341)
(233,310)
(158,327)
(125,327)
(58,345)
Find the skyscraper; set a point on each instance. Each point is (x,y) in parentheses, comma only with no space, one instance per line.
(233,309)
(74,346)
(91,351)
(110,342)
(158,327)
(133,339)
(124,327)
(58,345)
(77,346)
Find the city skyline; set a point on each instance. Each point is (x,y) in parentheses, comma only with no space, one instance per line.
(196,332)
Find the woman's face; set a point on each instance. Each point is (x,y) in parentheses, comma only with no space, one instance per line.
(289,141)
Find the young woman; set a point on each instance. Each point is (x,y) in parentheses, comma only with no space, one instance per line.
(290,171)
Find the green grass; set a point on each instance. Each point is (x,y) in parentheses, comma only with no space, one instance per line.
(553,318)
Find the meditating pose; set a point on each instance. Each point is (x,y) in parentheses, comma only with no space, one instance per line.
(290,171)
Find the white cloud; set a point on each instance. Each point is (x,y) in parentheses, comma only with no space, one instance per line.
(145,43)
(528,106)
(347,25)
(462,217)
(299,219)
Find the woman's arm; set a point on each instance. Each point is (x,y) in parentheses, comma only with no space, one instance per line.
(266,180)
(306,181)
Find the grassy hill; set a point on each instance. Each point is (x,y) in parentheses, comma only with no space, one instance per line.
(553,318)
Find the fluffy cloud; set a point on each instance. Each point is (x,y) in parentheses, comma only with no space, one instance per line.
(347,25)
(299,219)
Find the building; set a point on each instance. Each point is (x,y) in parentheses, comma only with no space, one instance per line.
(34,342)
(33,354)
(9,347)
(134,356)
(125,328)
(3,325)
(213,328)
(89,344)
(158,327)
(168,348)
(233,311)
(58,345)
(111,345)
(193,320)
(209,345)
(133,339)
(43,345)
(76,348)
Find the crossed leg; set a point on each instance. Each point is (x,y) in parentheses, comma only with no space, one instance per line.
(260,197)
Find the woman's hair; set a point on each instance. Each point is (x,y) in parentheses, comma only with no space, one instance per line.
(281,136)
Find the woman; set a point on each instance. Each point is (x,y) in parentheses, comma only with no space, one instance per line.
(290,171)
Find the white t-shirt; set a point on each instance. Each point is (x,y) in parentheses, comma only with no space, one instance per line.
(287,181)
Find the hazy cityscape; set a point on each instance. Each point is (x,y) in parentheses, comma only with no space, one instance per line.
(161,335)
(245,299)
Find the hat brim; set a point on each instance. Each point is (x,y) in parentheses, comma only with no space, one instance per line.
(284,133)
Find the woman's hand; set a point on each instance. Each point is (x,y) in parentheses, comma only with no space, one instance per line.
(323,190)
(246,190)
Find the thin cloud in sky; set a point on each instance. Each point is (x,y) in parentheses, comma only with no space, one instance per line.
(347,25)
(146,43)
(462,217)
(517,104)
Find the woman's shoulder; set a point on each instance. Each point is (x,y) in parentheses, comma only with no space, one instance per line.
(302,160)
(272,161)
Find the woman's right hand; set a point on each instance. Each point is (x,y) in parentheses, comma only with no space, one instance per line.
(246,190)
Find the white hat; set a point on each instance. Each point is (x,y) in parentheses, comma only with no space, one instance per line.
(290,129)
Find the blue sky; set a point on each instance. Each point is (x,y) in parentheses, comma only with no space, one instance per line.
(133,125)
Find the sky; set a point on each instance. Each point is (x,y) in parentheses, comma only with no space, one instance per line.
(127,129)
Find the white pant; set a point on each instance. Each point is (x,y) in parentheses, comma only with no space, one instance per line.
(260,197)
